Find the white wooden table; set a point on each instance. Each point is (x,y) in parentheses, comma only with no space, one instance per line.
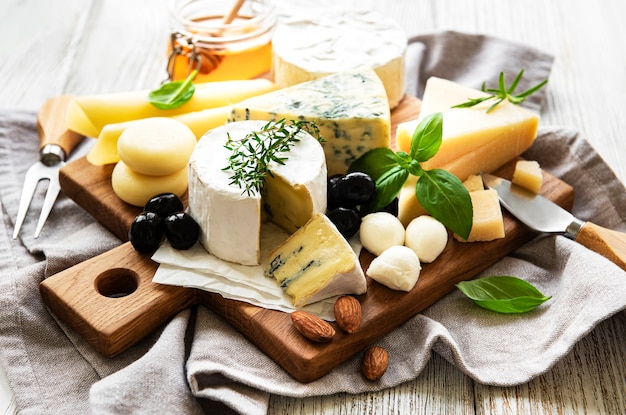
(91,46)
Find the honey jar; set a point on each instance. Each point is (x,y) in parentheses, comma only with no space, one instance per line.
(221,39)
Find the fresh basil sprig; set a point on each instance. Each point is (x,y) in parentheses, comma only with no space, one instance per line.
(439,192)
(503,294)
(502,93)
(172,95)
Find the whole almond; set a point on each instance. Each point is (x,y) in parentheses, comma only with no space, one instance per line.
(312,327)
(348,313)
(374,362)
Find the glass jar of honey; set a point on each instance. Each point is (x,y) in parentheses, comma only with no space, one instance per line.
(221,39)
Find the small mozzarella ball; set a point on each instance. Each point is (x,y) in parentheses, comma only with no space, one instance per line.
(379,231)
(397,268)
(427,237)
(156,146)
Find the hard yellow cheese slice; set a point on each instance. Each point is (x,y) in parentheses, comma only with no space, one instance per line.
(528,175)
(88,114)
(474,141)
(487,223)
(350,109)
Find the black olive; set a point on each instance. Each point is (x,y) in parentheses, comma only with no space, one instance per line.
(346,220)
(146,232)
(392,207)
(332,198)
(164,204)
(356,188)
(181,230)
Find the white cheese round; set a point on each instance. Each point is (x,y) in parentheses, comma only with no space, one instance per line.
(427,237)
(397,268)
(310,45)
(379,231)
(229,218)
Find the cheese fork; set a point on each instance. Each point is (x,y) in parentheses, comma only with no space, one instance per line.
(56,143)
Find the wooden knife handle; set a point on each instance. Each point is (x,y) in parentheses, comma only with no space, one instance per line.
(608,243)
(52,125)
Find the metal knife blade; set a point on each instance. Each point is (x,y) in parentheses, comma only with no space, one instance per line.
(533,210)
(542,215)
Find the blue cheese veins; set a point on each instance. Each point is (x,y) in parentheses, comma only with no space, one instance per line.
(350,109)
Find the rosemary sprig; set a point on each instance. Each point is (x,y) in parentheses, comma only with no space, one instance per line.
(251,156)
(502,93)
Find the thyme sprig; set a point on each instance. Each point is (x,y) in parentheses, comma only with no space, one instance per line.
(252,156)
(503,93)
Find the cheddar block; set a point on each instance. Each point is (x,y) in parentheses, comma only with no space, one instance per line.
(104,150)
(487,222)
(528,175)
(87,115)
(474,183)
(474,141)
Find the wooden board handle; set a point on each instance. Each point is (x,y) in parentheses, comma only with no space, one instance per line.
(608,243)
(52,125)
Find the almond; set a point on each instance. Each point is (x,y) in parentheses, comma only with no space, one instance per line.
(348,313)
(374,363)
(312,327)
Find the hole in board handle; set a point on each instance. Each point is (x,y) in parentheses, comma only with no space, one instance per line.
(117,282)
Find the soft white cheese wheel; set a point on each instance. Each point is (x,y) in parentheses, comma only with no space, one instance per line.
(379,231)
(427,237)
(398,268)
(310,45)
(230,218)
(156,146)
(136,188)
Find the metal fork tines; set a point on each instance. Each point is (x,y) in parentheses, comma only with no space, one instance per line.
(56,143)
(51,161)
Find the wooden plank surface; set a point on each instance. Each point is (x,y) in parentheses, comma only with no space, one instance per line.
(79,46)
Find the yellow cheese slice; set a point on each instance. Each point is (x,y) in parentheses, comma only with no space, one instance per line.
(88,114)
(528,175)
(487,222)
(104,150)
(474,141)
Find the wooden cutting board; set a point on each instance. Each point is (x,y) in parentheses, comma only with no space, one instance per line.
(111,301)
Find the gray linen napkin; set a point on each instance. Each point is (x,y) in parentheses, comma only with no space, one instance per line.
(198,356)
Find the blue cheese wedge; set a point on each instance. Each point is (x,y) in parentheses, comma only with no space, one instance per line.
(229,218)
(316,263)
(314,42)
(349,108)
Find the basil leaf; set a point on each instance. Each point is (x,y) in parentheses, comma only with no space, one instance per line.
(173,94)
(427,137)
(381,165)
(445,198)
(503,294)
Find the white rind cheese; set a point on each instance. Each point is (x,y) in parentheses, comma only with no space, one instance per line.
(349,108)
(312,45)
(229,218)
(316,263)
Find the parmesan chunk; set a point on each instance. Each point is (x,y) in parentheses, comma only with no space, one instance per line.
(528,175)
(487,223)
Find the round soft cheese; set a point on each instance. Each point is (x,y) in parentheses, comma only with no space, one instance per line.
(136,188)
(156,146)
(309,46)
(229,217)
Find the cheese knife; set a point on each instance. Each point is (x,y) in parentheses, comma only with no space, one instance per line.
(544,216)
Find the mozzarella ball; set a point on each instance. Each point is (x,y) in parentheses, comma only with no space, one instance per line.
(156,146)
(427,237)
(397,268)
(380,231)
